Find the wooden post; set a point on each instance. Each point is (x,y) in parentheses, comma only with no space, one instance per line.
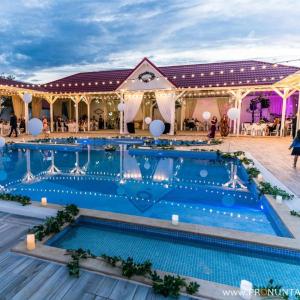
(77,100)
(182,114)
(283,115)
(88,103)
(122,125)
(51,117)
(26,112)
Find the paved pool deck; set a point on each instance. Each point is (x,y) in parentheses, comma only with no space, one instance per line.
(23,277)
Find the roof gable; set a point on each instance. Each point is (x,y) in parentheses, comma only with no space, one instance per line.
(146,76)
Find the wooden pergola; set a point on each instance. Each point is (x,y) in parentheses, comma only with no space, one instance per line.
(285,87)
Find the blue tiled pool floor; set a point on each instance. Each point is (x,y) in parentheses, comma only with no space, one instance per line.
(195,259)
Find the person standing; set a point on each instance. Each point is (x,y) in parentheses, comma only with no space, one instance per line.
(294,126)
(296,148)
(224,126)
(213,127)
(13,124)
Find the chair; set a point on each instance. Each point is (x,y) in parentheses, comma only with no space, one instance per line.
(276,131)
(246,128)
(130,127)
(167,128)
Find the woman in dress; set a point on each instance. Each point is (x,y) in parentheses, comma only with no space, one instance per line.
(224,126)
(213,127)
(296,148)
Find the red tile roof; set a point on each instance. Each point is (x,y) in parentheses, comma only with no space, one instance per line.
(13,83)
(239,73)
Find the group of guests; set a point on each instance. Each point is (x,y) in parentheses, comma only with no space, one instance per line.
(223,125)
(62,124)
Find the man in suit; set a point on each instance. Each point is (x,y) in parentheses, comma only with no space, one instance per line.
(13,124)
(294,126)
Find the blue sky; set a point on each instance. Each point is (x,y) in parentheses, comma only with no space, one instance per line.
(42,40)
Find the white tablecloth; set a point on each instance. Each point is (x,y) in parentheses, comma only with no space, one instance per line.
(256,129)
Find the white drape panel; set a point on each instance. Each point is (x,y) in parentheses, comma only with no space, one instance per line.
(166,105)
(132,104)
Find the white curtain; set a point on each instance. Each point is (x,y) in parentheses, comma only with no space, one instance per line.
(166,105)
(132,104)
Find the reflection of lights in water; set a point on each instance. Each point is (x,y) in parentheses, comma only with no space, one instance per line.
(160,178)
(132,175)
(147,165)
(228,201)
(122,181)
(166,186)
(203,173)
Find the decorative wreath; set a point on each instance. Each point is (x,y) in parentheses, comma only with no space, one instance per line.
(146,76)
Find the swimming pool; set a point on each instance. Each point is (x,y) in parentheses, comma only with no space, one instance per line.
(147,183)
(198,256)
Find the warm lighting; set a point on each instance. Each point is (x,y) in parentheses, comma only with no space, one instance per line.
(279,199)
(175,219)
(246,288)
(44,201)
(30,241)
(260,177)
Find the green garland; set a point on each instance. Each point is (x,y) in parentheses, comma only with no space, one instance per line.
(24,200)
(167,286)
(54,224)
(110,148)
(76,256)
(295,213)
(253,173)
(266,188)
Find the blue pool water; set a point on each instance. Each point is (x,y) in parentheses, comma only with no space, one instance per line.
(184,254)
(147,183)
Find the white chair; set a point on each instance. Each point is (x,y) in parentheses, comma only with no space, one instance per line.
(276,131)
(246,128)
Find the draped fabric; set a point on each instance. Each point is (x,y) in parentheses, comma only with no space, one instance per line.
(223,105)
(190,108)
(166,105)
(18,105)
(36,107)
(132,105)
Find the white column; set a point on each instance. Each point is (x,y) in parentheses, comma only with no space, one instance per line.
(282,128)
(238,125)
(88,114)
(77,114)
(104,115)
(122,125)
(172,129)
(235,121)
(26,112)
(182,113)
(298,113)
(143,115)
(51,117)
